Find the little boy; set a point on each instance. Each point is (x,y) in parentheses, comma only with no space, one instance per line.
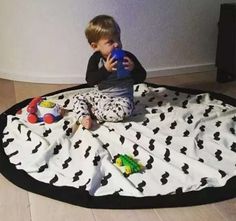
(112,97)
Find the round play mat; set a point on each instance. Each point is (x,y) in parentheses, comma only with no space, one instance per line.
(177,149)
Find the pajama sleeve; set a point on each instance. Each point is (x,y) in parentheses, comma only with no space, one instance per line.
(139,73)
(94,74)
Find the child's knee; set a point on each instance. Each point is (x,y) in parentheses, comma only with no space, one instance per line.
(125,111)
(118,114)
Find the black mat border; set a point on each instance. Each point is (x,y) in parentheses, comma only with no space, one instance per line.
(82,198)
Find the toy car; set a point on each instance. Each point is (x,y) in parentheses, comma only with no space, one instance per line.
(131,166)
(41,110)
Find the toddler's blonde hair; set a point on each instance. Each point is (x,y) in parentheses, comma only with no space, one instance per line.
(101,26)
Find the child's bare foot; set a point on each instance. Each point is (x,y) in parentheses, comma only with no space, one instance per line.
(87,122)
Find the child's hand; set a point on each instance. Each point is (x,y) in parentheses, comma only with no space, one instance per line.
(128,64)
(110,63)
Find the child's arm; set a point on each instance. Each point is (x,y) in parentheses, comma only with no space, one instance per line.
(138,73)
(94,74)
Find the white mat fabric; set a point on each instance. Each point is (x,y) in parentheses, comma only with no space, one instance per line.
(185,143)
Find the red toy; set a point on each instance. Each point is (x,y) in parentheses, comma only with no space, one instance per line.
(41,110)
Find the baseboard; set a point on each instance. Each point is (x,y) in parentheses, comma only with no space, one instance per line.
(42,78)
(168,71)
(75,79)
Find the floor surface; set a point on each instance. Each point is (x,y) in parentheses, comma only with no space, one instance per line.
(19,205)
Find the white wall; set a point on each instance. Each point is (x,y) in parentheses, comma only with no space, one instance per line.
(43,41)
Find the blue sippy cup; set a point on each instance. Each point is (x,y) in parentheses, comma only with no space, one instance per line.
(119,55)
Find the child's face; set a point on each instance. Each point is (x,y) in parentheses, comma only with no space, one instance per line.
(106,44)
